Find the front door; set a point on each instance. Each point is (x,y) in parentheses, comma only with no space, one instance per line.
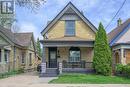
(53,57)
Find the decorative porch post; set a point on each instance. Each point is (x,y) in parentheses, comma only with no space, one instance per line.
(122,56)
(43,64)
(60,67)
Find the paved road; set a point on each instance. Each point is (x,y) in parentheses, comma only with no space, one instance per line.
(32,80)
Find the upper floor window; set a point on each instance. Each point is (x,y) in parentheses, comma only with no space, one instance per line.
(70,28)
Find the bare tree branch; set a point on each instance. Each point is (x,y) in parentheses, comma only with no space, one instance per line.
(30,4)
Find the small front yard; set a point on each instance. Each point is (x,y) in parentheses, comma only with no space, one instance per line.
(90,79)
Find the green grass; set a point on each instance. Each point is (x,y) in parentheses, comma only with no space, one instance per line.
(90,79)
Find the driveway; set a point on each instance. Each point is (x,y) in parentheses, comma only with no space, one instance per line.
(32,80)
(24,80)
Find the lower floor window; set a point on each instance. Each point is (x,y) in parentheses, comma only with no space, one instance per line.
(23,58)
(74,54)
(30,58)
(6,55)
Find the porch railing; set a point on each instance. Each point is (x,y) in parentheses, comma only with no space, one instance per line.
(81,64)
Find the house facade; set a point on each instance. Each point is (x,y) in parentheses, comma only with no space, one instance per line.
(119,39)
(68,42)
(17,50)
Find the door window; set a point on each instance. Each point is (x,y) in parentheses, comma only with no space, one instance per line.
(53,55)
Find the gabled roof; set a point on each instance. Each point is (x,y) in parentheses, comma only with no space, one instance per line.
(115,33)
(8,34)
(69,5)
(24,39)
(19,39)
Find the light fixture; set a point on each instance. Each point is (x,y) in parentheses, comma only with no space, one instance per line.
(58,54)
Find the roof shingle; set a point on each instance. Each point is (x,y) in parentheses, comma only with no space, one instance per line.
(21,39)
(117,30)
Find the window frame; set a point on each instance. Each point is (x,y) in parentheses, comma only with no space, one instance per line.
(75,49)
(30,59)
(23,58)
(6,56)
(65,34)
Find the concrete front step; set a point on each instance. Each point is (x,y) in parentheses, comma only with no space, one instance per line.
(53,72)
(48,75)
(50,72)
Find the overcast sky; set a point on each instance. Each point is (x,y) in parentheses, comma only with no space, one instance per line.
(94,10)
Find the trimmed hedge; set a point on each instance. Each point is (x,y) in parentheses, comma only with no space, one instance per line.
(10,73)
(123,70)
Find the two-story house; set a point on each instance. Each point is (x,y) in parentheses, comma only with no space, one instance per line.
(68,42)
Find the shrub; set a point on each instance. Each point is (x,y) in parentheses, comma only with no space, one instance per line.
(123,70)
(102,60)
(119,68)
(126,71)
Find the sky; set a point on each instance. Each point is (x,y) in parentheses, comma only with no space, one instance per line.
(95,11)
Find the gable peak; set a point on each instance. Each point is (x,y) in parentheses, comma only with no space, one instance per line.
(69,8)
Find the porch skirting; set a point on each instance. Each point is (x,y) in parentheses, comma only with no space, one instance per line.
(53,72)
(77,70)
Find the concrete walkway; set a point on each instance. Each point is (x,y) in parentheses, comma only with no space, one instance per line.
(32,80)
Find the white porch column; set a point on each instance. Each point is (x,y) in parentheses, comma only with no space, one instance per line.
(43,64)
(60,67)
(122,55)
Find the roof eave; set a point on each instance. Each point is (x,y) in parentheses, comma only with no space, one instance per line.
(62,12)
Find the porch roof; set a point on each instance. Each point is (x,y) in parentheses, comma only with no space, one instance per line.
(121,46)
(67,43)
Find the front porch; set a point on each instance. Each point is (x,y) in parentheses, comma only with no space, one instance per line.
(121,54)
(66,58)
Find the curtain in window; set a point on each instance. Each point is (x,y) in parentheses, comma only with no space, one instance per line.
(74,54)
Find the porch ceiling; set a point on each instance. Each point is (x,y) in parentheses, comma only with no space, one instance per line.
(52,43)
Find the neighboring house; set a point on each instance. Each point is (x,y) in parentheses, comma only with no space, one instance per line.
(68,43)
(17,50)
(119,39)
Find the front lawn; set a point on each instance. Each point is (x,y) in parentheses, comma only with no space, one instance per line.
(90,79)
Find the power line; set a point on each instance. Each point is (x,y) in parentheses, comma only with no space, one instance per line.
(116,14)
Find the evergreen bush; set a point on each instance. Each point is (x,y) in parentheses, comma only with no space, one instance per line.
(102,61)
